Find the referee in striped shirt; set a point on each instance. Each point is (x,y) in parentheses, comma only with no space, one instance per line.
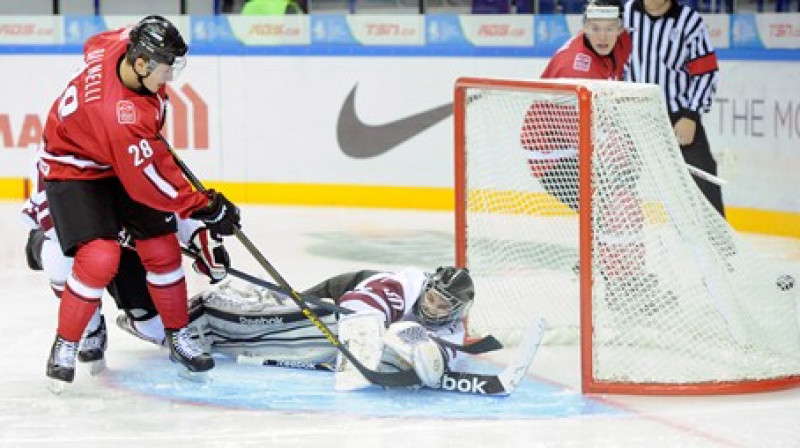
(671,48)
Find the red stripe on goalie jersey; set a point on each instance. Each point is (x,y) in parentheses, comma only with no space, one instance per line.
(99,128)
(36,207)
(383,294)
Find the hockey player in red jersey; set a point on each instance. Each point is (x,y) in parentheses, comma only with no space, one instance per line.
(599,51)
(549,135)
(107,168)
(129,286)
(549,130)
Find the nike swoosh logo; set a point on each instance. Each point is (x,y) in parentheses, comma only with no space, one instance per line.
(361,141)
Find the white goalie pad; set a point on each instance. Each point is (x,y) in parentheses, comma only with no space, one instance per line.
(245,298)
(362,334)
(240,319)
(407,346)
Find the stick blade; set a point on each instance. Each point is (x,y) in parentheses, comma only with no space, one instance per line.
(513,374)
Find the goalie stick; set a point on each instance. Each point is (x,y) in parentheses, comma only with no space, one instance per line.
(502,384)
(506,381)
(481,346)
(389,379)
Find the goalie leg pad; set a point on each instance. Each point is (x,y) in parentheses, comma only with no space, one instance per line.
(362,334)
(409,346)
(241,319)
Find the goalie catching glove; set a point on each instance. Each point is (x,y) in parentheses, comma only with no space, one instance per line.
(407,345)
(211,256)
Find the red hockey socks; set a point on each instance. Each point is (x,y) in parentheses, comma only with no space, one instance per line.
(95,265)
(161,257)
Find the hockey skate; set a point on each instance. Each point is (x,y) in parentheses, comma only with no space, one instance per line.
(185,351)
(61,364)
(124,322)
(92,348)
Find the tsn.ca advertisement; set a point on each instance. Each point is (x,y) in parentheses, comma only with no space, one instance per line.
(384,119)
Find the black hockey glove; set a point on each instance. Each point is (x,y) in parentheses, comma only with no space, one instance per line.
(212,258)
(220,215)
(33,249)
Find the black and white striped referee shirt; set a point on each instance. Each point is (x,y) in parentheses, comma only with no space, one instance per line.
(675,52)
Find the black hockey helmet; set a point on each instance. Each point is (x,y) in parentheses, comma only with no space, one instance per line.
(456,287)
(157,40)
(602,9)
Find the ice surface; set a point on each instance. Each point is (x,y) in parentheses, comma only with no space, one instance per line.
(141,401)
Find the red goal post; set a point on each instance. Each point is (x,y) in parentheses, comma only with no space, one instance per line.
(573,203)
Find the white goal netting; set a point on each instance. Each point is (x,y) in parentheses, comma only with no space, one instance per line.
(677,297)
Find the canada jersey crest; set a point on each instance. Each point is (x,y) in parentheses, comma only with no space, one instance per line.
(126,112)
(582,62)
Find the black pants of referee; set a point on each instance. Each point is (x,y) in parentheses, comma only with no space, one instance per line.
(698,154)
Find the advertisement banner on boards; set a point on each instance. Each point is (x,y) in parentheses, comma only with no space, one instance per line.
(41,30)
(540,32)
(779,30)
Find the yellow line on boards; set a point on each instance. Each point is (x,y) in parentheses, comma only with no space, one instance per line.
(764,221)
(769,222)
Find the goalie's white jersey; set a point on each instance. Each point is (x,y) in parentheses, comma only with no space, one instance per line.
(395,294)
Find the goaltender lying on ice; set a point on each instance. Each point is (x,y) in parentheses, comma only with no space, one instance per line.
(390,321)
(389,316)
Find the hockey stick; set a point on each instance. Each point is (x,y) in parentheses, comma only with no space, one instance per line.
(697,172)
(485,344)
(389,379)
(262,361)
(273,287)
(506,381)
(501,384)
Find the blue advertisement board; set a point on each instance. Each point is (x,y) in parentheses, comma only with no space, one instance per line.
(735,36)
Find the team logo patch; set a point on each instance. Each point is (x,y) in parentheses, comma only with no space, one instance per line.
(126,112)
(582,62)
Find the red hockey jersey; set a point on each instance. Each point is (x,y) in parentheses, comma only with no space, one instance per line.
(576,59)
(99,128)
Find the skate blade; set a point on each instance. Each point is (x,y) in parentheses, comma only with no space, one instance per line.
(195,377)
(57,387)
(97,367)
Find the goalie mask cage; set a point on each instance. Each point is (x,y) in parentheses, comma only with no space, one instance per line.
(659,293)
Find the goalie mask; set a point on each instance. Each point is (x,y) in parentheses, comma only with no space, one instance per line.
(446,297)
(157,40)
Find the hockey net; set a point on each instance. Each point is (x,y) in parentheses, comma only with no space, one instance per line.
(644,276)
